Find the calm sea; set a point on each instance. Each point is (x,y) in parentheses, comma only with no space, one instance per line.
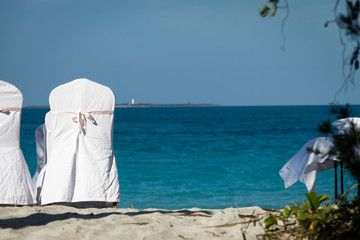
(206,157)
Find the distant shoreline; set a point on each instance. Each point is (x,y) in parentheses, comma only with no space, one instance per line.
(144,105)
(29,107)
(140,105)
(165,105)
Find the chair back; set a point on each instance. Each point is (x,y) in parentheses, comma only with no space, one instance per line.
(80,163)
(16,186)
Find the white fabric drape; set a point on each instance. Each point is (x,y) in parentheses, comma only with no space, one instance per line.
(41,152)
(305,164)
(80,163)
(344,124)
(16,187)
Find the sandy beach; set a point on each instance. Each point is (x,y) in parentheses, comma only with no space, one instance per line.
(63,222)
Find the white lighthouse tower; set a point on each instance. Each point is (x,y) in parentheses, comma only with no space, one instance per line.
(132,101)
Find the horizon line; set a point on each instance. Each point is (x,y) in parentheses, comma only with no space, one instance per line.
(129,105)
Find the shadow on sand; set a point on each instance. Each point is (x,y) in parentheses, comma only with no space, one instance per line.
(40,219)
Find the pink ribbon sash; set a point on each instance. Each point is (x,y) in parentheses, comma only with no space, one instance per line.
(7,110)
(81,118)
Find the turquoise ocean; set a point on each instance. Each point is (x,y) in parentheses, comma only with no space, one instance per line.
(206,157)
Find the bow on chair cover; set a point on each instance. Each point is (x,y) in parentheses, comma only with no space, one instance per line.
(80,165)
(16,187)
(305,165)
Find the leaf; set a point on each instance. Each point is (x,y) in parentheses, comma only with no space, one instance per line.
(323,214)
(314,201)
(312,225)
(295,208)
(265,11)
(274,11)
(270,221)
(303,216)
(325,127)
(323,198)
(286,213)
(306,206)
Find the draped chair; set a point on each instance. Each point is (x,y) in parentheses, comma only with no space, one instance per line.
(306,163)
(16,186)
(313,158)
(78,163)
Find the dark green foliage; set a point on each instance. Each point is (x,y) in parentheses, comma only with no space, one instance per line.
(325,127)
(346,144)
(341,112)
(313,221)
(349,21)
(266,10)
(345,223)
(310,217)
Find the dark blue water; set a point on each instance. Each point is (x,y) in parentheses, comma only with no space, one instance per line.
(207,157)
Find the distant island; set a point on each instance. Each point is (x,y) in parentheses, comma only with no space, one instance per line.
(165,105)
(30,107)
(130,105)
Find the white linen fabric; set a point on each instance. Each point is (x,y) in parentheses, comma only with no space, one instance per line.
(16,187)
(305,164)
(344,124)
(80,165)
(41,154)
(40,136)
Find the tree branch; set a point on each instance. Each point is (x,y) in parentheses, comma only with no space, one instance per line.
(286,7)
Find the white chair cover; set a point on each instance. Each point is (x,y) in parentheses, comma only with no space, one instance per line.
(16,187)
(344,124)
(41,153)
(305,165)
(40,136)
(80,165)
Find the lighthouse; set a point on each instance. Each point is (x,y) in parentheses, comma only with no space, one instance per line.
(132,101)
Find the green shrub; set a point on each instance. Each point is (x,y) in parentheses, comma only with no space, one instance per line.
(310,216)
(315,221)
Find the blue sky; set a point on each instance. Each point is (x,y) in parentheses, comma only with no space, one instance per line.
(173,51)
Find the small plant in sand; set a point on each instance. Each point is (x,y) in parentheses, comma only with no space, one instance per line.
(300,221)
(344,223)
(340,221)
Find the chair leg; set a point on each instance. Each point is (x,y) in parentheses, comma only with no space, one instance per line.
(336,193)
(342,177)
(114,205)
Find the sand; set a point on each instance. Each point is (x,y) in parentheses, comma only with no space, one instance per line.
(63,222)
